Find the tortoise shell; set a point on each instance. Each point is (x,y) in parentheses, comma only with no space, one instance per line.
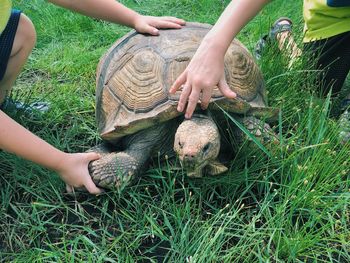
(136,73)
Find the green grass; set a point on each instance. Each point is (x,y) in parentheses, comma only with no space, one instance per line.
(292,207)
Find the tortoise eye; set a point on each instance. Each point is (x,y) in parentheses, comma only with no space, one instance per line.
(206,147)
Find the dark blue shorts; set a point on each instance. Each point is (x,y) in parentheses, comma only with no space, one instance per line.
(6,40)
(332,56)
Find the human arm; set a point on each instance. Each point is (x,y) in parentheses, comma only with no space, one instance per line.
(206,69)
(72,168)
(112,11)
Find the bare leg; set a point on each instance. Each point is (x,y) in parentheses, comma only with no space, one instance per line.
(344,123)
(23,44)
(281,34)
(286,43)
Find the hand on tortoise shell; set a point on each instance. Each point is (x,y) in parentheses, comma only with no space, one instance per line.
(74,172)
(151,24)
(204,72)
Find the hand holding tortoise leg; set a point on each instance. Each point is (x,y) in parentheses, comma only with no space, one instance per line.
(72,168)
(115,169)
(74,172)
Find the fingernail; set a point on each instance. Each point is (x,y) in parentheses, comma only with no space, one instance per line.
(101,192)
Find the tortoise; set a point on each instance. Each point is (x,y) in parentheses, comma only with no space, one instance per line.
(137,116)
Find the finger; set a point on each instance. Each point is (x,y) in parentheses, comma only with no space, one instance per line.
(226,90)
(149,30)
(92,156)
(69,189)
(92,188)
(167,24)
(206,95)
(185,93)
(175,20)
(178,82)
(192,102)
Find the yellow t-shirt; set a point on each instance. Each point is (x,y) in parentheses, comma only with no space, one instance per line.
(5,11)
(325,18)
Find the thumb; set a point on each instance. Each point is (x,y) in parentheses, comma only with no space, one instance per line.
(92,156)
(91,187)
(69,189)
(226,90)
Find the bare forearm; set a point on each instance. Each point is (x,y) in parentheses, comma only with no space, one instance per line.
(236,15)
(108,10)
(16,139)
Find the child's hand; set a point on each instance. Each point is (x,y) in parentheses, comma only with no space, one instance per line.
(150,24)
(204,72)
(75,173)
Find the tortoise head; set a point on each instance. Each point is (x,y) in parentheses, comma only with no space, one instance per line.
(197,145)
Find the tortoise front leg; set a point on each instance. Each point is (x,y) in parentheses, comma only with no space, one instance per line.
(239,106)
(262,131)
(114,169)
(259,129)
(118,169)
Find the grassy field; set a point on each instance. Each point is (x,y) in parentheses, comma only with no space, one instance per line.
(292,207)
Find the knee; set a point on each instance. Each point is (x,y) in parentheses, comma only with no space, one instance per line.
(25,35)
(27,29)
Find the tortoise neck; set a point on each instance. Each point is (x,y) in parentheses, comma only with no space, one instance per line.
(201,116)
